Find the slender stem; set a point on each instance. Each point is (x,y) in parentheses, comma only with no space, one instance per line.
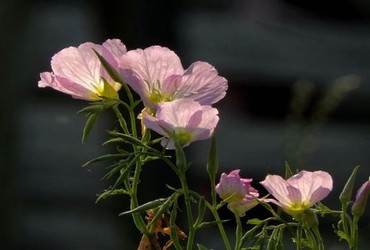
(344,220)
(238,233)
(318,236)
(189,213)
(299,236)
(139,221)
(354,233)
(221,229)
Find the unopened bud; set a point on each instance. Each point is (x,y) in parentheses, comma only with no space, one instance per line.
(346,194)
(358,207)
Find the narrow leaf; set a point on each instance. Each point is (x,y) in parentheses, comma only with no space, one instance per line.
(142,208)
(91,120)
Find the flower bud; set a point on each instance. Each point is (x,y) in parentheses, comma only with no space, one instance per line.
(346,194)
(359,205)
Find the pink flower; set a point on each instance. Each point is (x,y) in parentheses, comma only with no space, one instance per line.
(79,73)
(300,191)
(237,192)
(157,75)
(358,207)
(184,120)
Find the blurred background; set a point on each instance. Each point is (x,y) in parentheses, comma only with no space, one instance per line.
(299,91)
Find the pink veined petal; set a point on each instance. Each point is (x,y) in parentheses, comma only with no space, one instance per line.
(46,79)
(148,68)
(323,185)
(209,122)
(278,187)
(230,184)
(202,83)
(77,91)
(116,48)
(314,186)
(180,113)
(64,85)
(79,65)
(153,123)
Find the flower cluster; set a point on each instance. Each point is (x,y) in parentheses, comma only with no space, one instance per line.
(294,195)
(177,101)
(177,104)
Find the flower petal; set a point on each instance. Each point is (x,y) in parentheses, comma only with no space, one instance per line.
(202,83)
(146,69)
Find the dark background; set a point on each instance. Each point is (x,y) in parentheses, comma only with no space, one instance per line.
(299,88)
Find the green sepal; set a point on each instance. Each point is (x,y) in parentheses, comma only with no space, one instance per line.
(110,70)
(142,208)
(91,120)
(109,91)
(180,156)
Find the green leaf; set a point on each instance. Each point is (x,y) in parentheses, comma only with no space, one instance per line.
(128,139)
(124,172)
(201,210)
(255,221)
(103,158)
(142,208)
(108,193)
(342,235)
(163,208)
(211,223)
(288,171)
(91,120)
(94,108)
(201,247)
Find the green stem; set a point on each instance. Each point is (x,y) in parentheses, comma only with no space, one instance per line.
(238,233)
(354,233)
(299,236)
(182,167)
(189,213)
(138,220)
(221,229)
(344,220)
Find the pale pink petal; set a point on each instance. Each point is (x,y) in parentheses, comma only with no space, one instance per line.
(116,48)
(79,65)
(209,120)
(64,85)
(183,116)
(202,83)
(278,187)
(146,69)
